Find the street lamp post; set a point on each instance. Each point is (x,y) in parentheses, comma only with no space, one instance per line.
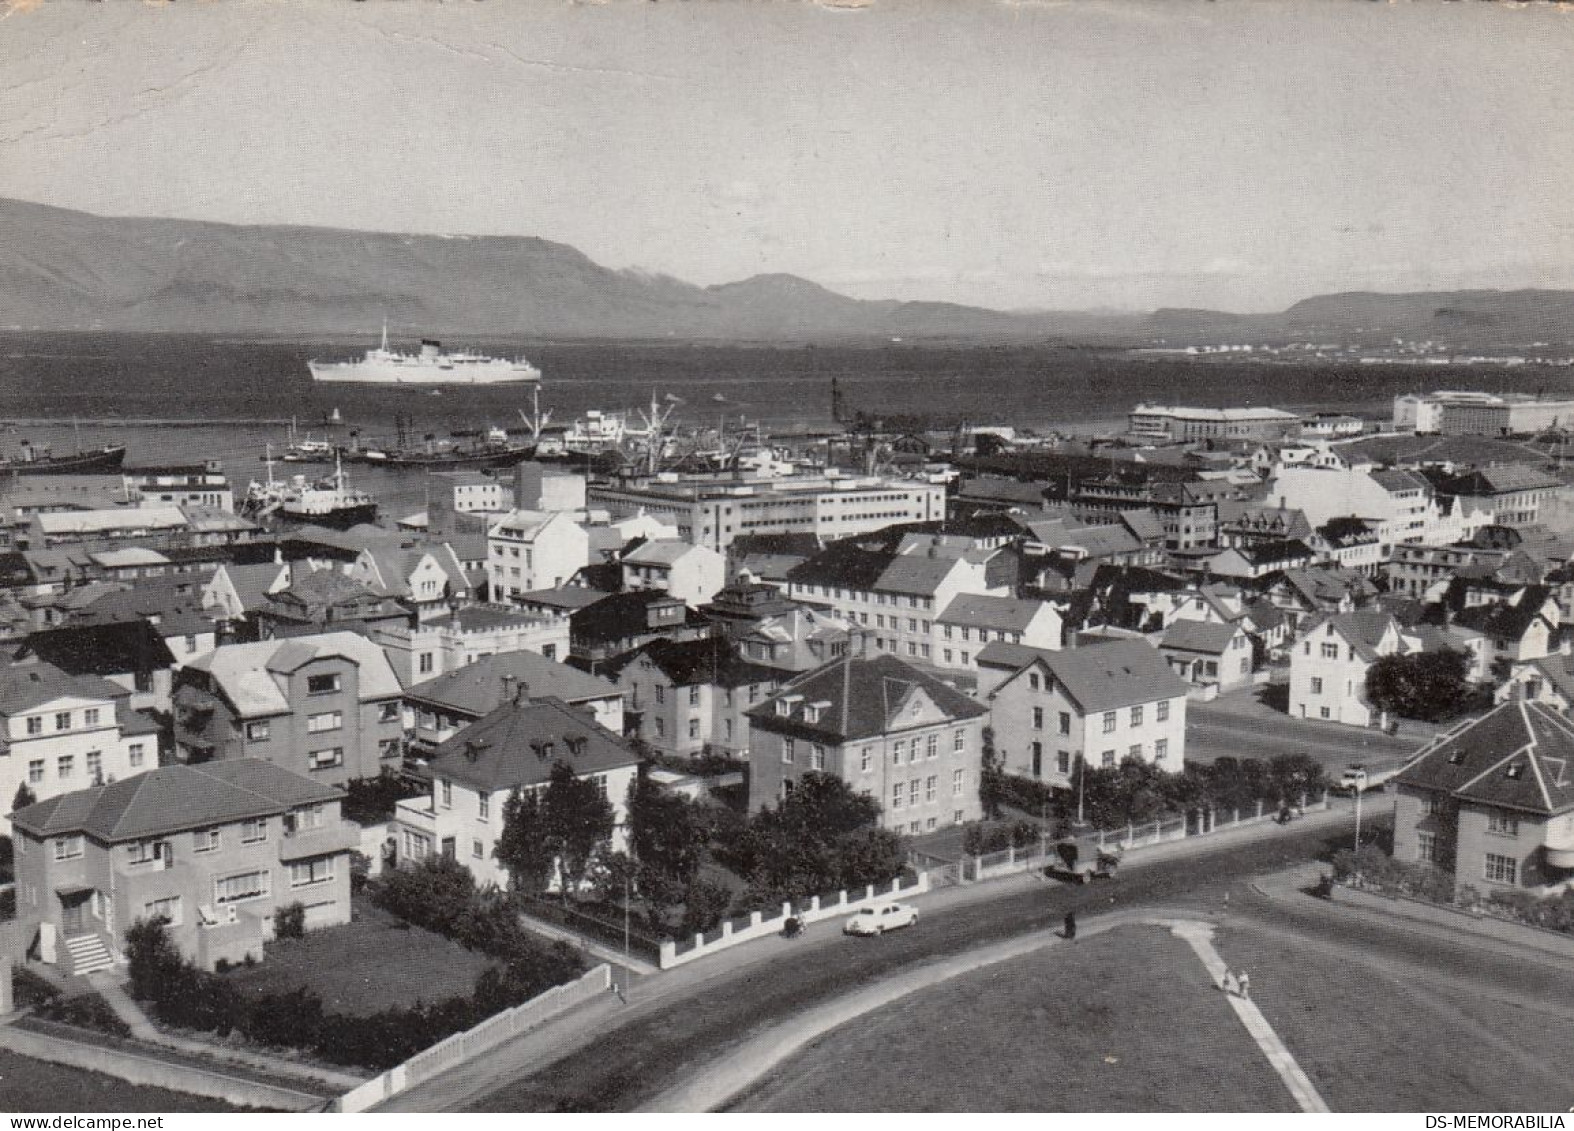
(1358,783)
(1082,772)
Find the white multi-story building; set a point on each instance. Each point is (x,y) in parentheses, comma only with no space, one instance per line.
(529,550)
(467,635)
(969,622)
(1178,423)
(1329,664)
(1400,505)
(60,733)
(1102,703)
(712,510)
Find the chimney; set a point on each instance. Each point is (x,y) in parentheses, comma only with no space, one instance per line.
(508,688)
(521,694)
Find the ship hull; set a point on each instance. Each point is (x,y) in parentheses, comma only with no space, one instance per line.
(419,460)
(83,463)
(370,373)
(340,518)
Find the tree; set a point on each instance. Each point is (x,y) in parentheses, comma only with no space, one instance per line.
(1295,776)
(554,834)
(991,778)
(579,822)
(664,834)
(24,797)
(523,847)
(1424,685)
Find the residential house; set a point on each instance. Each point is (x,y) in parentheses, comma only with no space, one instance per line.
(886,729)
(1304,594)
(971,621)
(326,600)
(1492,801)
(693,574)
(327,706)
(514,748)
(1512,493)
(1352,543)
(60,732)
(529,550)
(235,594)
(1096,705)
(1250,561)
(1329,664)
(621,622)
(1207,654)
(692,697)
(1547,679)
(797,640)
(740,607)
(446,704)
(172,605)
(429,580)
(214,850)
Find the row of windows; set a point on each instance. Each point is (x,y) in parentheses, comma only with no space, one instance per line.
(1106,758)
(923,791)
(93,761)
(91,717)
(864,596)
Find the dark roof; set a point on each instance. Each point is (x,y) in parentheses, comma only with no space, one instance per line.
(1290,549)
(865,697)
(713,661)
(1500,479)
(1500,619)
(1098,677)
(100,649)
(477,688)
(620,615)
(776,545)
(15,570)
(1199,636)
(1518,756)
(516,746)
(172,798)
(24,687)
(850,564)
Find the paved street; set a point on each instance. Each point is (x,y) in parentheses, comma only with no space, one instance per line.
(681,1020)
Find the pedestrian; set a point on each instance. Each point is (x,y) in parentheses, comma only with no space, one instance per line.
(1071,925)
(1229,985)
(1245,984)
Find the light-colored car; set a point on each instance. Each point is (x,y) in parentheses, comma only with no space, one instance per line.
(1354,779)
(880,918)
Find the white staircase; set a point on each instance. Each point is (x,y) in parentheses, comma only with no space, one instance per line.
(88,954)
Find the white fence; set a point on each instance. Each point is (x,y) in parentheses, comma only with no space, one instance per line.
(1012,860)
(731,933)
(472,1042)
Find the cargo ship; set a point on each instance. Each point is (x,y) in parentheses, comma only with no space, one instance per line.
(36,459)
(430,365)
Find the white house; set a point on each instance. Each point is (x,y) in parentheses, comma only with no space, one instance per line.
(1328,666)
(1102,703)
(693,574)
(529,550)
(1208,654)
(64,733)
(515,747)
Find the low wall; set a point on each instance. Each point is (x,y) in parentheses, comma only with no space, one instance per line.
(757,926)
(154,1073)
(472,1042)
(1553,942)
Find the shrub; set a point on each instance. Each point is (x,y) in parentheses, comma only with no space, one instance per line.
(705,903)
(360,872)
(85,1011)
(982,839)
(289,921)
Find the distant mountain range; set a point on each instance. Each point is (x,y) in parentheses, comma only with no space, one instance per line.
(66,270)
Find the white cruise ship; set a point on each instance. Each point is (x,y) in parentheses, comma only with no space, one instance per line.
(432,365)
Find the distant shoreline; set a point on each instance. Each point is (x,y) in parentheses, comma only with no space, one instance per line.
(144,422)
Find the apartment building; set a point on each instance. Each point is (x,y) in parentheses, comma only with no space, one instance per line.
(529,550)
(970,621)
(693,574)
(443,706)
(882,726)
(692,697)
(712,510)
(212,849)
(419,652)
(325,706)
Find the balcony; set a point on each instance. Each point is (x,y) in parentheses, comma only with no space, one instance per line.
(417,813)
(342,836)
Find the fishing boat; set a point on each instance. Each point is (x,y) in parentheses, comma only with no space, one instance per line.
(329,502)
(37,459)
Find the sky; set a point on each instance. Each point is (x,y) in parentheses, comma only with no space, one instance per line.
(1081,154)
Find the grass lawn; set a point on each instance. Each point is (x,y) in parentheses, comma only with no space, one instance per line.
(1372,1041)
(37,1085)
(366,965)
(1124,1021)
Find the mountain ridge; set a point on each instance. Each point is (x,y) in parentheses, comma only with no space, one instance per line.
(62,269)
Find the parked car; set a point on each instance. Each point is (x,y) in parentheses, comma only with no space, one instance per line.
(880,918)
(1354,779)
